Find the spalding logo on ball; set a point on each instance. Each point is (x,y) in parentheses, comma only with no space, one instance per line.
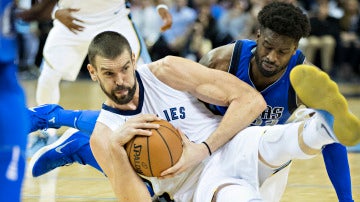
(151,155)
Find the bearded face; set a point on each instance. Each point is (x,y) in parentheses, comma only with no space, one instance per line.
(120,94)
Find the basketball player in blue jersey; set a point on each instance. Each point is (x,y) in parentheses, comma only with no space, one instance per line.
(280,115)
(14,123)
(266,64)
(210,168)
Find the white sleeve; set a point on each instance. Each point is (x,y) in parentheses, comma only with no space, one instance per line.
(111,120)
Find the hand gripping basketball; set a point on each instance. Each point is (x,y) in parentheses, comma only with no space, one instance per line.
(150,155)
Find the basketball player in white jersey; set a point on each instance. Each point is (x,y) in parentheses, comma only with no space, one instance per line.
(66,45)
(170,89)
(76,22)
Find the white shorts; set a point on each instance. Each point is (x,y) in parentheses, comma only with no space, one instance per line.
(235,163)
(65,51)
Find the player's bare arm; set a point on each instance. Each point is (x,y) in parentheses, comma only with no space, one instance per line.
(108,149)
(211,86)
(218,58)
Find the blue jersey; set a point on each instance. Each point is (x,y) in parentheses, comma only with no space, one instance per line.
(281,102)
(7,32)
(14,120)
(279,96)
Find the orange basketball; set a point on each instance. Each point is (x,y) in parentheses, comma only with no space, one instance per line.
(151,155)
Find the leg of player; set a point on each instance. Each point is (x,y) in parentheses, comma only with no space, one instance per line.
(326,96)
(301,140)
(279,145)
(47,91)
(316,90)
(72,146)
(74,143)
(240,192)
(337,167)
(54,116)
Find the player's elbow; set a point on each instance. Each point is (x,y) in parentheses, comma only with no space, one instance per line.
(257,100)
(260,102)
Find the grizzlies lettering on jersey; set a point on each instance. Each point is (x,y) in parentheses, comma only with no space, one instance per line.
(279,96)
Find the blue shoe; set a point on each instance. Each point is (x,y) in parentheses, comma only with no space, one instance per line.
(44,116)
(36,142)
(59,153)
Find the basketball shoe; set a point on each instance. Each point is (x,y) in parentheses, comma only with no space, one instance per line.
(62,152)
(316,90)
(38,140)
(44,116)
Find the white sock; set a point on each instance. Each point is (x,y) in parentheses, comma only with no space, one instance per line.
(48,86)
(314,135)
(280,144)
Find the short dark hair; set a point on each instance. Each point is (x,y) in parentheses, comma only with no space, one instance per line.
(284,19)
(107,44)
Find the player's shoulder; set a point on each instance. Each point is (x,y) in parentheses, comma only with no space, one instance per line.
(218,58)
(222,52)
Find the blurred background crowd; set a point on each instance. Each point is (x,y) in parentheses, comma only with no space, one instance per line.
(201,25)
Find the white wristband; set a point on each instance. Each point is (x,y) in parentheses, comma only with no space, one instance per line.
(162,6)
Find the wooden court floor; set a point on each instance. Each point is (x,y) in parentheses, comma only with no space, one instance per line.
(308,179)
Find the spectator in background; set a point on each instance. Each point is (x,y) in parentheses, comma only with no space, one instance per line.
(208,14)
(198,44)
(203,35)
(217,9)
(323,37)
(42,14)
(237,21)
(349,54)
(172,41)
(28,44)
(147,19)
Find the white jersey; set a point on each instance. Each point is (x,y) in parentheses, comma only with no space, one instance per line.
(179,108)
(234,163)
